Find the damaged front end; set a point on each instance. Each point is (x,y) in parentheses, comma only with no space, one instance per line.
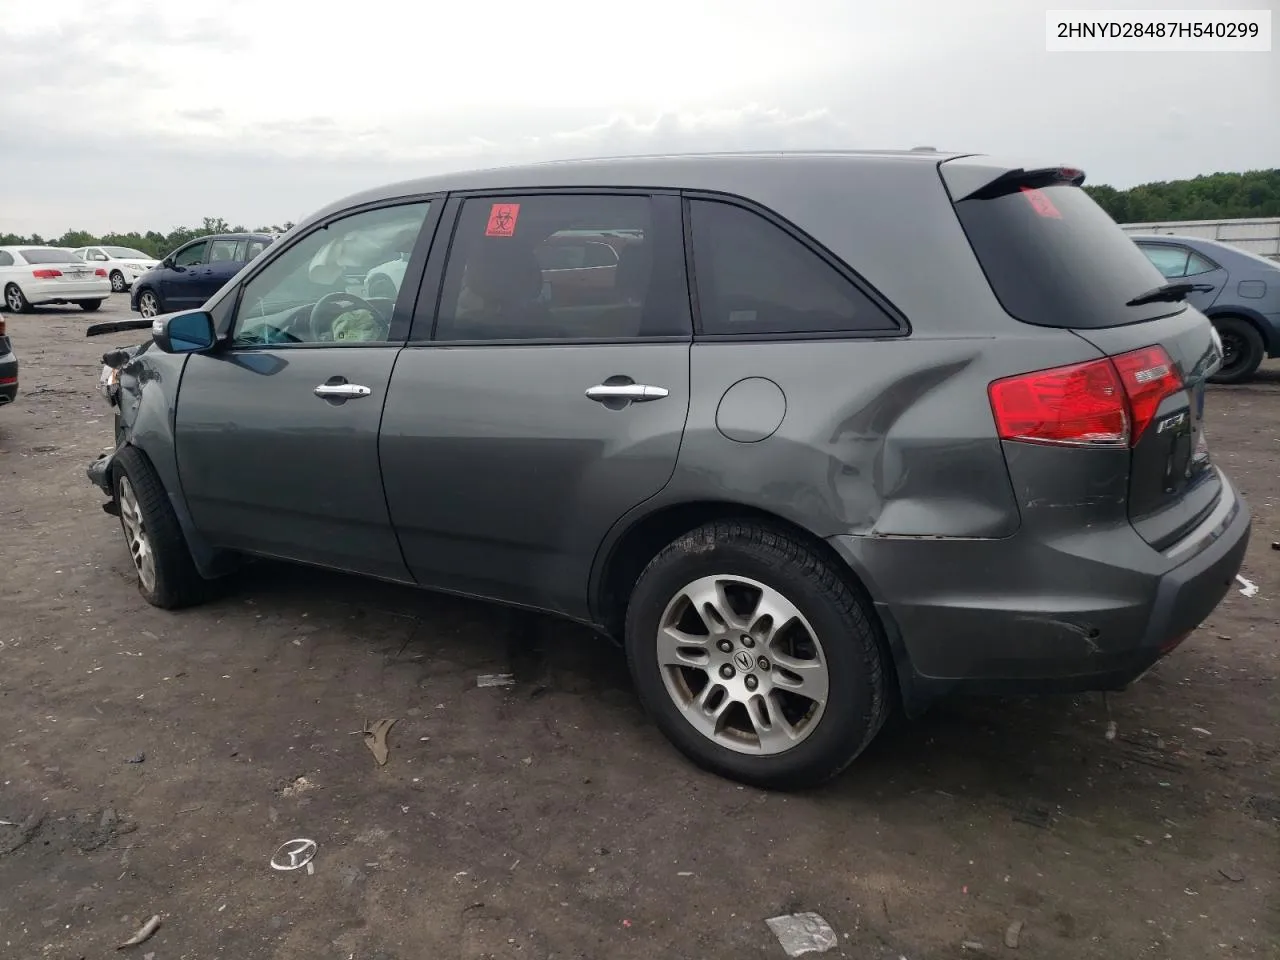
(113,363)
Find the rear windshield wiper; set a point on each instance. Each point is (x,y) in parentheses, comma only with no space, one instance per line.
(1177,290)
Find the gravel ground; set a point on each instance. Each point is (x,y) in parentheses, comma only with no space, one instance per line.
(549,819)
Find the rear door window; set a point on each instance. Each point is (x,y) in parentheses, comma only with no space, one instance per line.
(755,278)
(225,251)
(565,267)
(1054,258)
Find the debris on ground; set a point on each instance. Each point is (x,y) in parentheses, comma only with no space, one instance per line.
(144,933)
(294,854)
(375,738)
(1111,730)
(1247,587)
(1231,873)
(970,945)
(495,680)
(1012,934)
(801,933)
(296,787)
(1202,731)
(137,758)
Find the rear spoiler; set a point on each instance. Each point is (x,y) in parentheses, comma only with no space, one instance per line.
(967,180)
(117,326)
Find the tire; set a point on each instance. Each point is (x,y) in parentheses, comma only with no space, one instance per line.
(117,282)
(746,557)
(149,304)
(88,306)
(170,580)
(1243,346)
(16,300)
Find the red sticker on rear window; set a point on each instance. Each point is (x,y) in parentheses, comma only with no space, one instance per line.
(502,220)
(1041,203)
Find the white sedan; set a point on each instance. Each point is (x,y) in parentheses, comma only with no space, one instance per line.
(31,274)
(124,265)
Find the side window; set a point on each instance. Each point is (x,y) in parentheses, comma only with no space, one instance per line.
(319,290)
(1197,265)
(1170,261)
(224,251)
(253,248)
(755,278)
(6,258)
(564,267)
(192,255)
(81,253)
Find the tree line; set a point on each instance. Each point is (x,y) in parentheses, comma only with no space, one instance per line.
(153,242)
(1214,196)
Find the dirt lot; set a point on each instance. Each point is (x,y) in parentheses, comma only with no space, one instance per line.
(549,819)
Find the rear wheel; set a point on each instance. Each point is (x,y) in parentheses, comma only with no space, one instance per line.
(755,658)
(16,300)
(88,306)
(167,576)
(1242,350)
(148,304)
(117,281)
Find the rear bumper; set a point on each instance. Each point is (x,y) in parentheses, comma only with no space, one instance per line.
(8,372)
(66,291)
(1004,617)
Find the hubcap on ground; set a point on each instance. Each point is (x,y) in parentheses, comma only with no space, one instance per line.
(147,305)
(14,299)
(743,664)
(135,534)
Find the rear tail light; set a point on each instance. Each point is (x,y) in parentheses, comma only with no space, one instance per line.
(1,326)
(100,272)
(46,274)
(1108,402)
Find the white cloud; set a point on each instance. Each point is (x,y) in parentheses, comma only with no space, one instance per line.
(148,114)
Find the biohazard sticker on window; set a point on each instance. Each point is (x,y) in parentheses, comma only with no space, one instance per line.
(502,220)
(1041,203)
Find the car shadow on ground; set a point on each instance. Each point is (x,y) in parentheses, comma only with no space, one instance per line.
(1030,756)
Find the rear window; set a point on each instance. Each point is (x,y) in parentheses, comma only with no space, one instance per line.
(1054,258)
(48,255)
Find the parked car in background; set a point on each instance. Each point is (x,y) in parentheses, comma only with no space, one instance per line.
(124,265)
(1237,290)
(31,275)
(190,275)
(8,367)
(797,482)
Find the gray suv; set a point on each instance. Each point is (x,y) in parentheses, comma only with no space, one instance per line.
(832,433)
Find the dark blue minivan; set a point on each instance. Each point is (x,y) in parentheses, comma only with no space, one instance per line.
(190,275)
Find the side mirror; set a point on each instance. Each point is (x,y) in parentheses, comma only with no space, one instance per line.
(190,332)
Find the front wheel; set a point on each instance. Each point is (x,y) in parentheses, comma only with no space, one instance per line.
(755,657)
(167,576)
(1242,350)
(88,306)
(148,304)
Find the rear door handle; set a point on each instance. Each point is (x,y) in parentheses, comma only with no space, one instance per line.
(342,391)
(636,392)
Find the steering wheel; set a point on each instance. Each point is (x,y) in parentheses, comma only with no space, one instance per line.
(329,307)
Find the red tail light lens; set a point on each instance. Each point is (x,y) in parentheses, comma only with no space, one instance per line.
(1108,402)
(1148,376)
(1,326)
(46,274)
(100,272)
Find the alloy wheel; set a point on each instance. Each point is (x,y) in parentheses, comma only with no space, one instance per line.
(13,297)
(135,534)
(117,282)
(742,664)
(147,305)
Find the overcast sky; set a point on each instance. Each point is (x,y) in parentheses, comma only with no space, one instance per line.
(149,115)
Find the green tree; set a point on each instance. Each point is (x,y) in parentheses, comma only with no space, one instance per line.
(1214,196)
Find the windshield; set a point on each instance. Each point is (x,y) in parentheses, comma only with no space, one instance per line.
(126,253)
(48,255)
(1055,259)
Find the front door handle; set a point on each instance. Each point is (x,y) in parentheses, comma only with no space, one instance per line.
(342,391)
(635,392)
